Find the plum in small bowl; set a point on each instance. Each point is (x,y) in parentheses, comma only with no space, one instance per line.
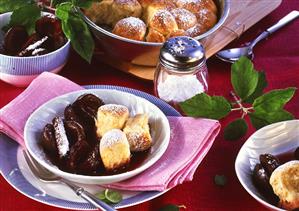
(24,56)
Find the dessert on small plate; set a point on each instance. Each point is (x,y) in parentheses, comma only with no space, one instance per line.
(267,165)
(97,136)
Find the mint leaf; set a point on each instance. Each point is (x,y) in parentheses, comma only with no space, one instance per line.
(273,100)
(9,5)
(101,195)
(235,130)
(244,78)
(113,196)
(260,119)
(172,207)
(220,180)
(25,16)
(203,105)
(261,85)
(76,30)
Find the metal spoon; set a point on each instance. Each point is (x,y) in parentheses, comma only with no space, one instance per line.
(232,55)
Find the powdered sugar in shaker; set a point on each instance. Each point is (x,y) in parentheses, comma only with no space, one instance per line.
(181,72)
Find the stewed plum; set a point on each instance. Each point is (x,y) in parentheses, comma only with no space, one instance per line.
(269,163)
(47,37)
(14,40)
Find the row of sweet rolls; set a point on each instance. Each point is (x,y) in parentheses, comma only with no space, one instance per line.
(154,20)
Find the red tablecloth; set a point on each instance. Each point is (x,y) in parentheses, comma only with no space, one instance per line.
(278,56)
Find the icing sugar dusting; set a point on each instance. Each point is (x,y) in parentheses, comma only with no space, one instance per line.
(112,137)
(114,109)
(60,136)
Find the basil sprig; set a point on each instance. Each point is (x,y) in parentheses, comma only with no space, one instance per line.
(248,85)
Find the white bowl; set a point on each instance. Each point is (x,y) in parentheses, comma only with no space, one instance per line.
(275,139)
(160,131)
(20,71)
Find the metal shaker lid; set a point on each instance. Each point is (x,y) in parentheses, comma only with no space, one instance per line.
(182,53)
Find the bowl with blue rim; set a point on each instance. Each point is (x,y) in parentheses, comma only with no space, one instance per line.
(25,56)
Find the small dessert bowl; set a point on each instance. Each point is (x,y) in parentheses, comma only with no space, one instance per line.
(277,139)
(159,129)
(20,71)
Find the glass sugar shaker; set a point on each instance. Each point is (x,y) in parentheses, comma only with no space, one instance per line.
(181,72)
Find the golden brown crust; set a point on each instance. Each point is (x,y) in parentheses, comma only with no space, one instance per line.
(131,28)
(206,18)
(155,36)
(138,133)
(111,116)
(196,30)
(114,150)
(163,18)
(285,183)
(163,22)
(125,8)
(184,18)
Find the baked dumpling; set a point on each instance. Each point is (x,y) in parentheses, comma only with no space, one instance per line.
(285,183)
(206,18)
(109,12)
(131,28)
(111,116)
(138,133)
(163,22)
(124,8)
(155,36)
(114,150)
(184,18)
(99,12)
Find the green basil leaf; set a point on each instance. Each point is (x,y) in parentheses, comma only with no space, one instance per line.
(11,5)
(172,207)
(113,196)
(273,100)
(260,119)
(235,130)
(244,78)
(25,16)
(76,30)
(261,85)
(203,105)
(63,10)
(220,180)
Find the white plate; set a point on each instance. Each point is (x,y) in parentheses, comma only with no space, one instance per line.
(160,131)
(275,139)
(16,172)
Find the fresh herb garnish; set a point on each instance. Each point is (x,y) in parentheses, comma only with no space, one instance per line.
(220,180)
(75,29)
(172,207)
(109,196)
(26,12)
(248,84)
(25,16)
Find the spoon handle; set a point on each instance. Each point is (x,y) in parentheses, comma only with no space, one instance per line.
(282,22)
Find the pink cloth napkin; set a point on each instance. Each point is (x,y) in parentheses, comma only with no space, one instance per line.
(190,138)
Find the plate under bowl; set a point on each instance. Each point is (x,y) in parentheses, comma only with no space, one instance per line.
(55,107)
(278,138)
